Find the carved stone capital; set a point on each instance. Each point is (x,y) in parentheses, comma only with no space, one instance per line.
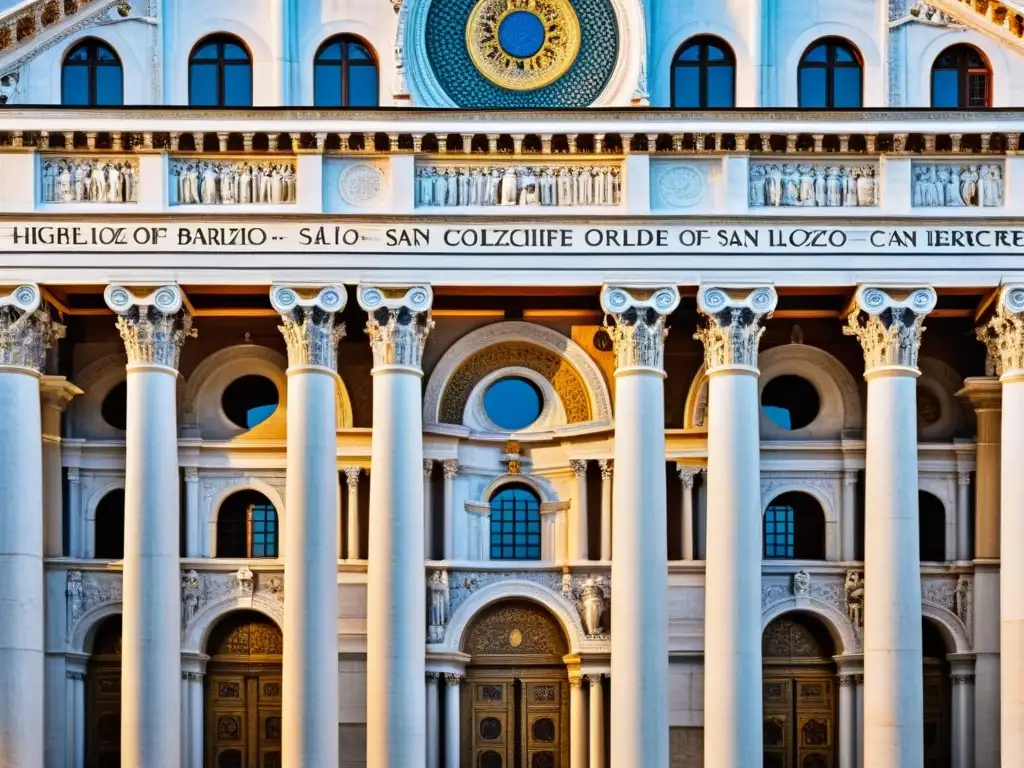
(450,467)
(607,469)
(433,677)
(596,680)
(1003,335)
(579,467)
(191,474)
(308,326)
(639,331)
(734,330)
(888,323)
(687,475)
(962,679)
(428,467)
(153,326)
(576,682)
(453,680)
(398,325)
(72,675)
(352,476)
(74,475)
(26,330)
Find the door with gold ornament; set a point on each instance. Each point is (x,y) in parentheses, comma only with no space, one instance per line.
(243,693)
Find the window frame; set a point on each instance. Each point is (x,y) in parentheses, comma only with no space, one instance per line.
(271,526)
(91,64)
(532,509)
(963,76)
(830,65)
(702,64)
(220,39)
(345,64)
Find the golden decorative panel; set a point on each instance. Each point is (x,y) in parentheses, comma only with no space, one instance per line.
(556,30)
(258,637)
(563,377)
(537,633)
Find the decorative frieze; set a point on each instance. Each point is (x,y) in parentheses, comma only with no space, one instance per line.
(1003,335)
(518,185)
(399,323)
(888,323)
(813,185)
(733,328)
(639,332)
(942,185)
(308,323)
(154,326)
(85,180)
(26,329)
(226,182)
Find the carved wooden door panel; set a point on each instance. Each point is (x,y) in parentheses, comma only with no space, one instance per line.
(799,721)
(243,721)
(777,700)
(936,716)
(543,722)
(104,706)
(493,719)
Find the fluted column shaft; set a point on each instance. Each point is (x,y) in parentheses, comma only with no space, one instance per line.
(888,325)
(25,332)
(606,510)
(639,664)
(452,745)
(596,721)
(398,326)
(732,625)
(310,669)
(578,529)
(153,329)
(353,534)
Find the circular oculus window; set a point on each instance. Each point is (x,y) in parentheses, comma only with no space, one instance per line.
(513,403)
(250,400)
(791,402)
(114,409)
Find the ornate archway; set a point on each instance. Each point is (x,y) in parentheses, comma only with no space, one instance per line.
(103,697)
(243,692)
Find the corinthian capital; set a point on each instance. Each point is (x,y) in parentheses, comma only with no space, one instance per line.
(1003,335)
(734,326)
(399,323)
(639,331)
(308,327)
(888,323)
(26,330)
(153,325)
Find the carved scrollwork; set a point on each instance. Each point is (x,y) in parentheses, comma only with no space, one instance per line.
(26,329)
(639,332)
(889,325)
(153,327)
(399,323)
(1003,335)
(308,326)
(733,330)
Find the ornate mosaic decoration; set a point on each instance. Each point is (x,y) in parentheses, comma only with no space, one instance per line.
(523,45)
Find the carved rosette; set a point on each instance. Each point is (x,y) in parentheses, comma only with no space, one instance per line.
(26,330)
(888,324)
(734,330)
(398,325)
(308,323)
(1003,335)
(639,332)
(154,326)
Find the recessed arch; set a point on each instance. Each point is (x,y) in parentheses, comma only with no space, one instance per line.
(247,527)
(220,492)
(961,78)
(931,527)
(109,526)
(92,74)
(703,74)
(830,75)
(196,636)
(548,636)
(994,55)
(220,72)
(871,59)
(837,623)
(346,72)
(794,528)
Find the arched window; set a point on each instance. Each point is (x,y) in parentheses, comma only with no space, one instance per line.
(961,79)
(91,76)
(794,528)
(830,75)
(220,73)
(345,74)
(704,74)
(247,526)
(932,523)
(515,524)
(110,526)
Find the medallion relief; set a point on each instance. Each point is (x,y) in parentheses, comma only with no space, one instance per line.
(682,187)
(361,185)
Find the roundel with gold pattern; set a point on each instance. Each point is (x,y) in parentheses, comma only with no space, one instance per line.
(522,53)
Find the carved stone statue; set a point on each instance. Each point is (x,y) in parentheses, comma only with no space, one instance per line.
(226,182)
(567,585)
(592,607)
(76,598)
(514,185)
(440,602)
(244,579)
(190,588)
(854,588)
(964,600)
(811,186)
(957,186)
(801,583)
(80,180)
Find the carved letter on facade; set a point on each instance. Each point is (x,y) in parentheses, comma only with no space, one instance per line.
(399,323)
(889,323)
(26,330)
(154,326)
(639,331)
(734,327)
(309,329)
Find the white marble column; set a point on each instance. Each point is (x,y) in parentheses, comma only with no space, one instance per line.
(732,625)
(963,516)
(578,528)
(889,323)
(76,515)
(596,720)
(1004,336)
(452,746)
(847,722)
(433,734)
(606,509)
(154,327)
(56,392)
(686,477)
(74,700)
(192,717)
(962,742)
(193,523)
(639,646)
(450,468)
(577,723)
(428,512)
(398,326)
(353,535)
(310,669)
(848,537)
(25,333)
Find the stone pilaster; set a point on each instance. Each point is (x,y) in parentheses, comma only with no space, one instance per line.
(639,730)
(452,743)
(888,323)
(578,531)
(309,714)
(607,472)
(687,476)
(25,332)
(732,625)
(354,534)
(450,468)
(153,325)
(596,709)
(398,325)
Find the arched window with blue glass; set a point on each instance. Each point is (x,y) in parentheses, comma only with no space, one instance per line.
(220,73)
(515,523)
(704,74)
(345,74)
(961,79)
(92,76)
(794,528)
(247,526)
(831,75)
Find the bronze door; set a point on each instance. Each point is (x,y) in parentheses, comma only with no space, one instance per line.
(799,721)
(243,720)
(517,722)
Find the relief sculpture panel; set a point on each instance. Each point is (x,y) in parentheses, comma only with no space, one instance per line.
(812,185)
(518,185)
